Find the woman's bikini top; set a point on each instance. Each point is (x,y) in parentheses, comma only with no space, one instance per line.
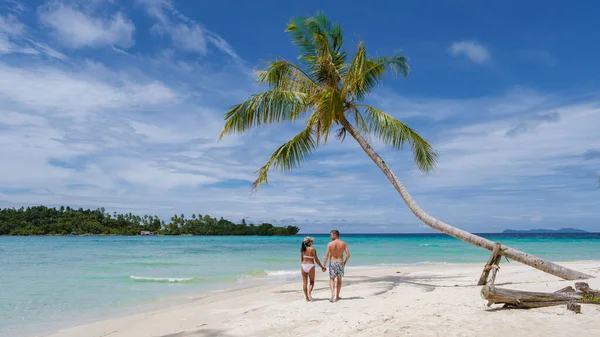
(308,257)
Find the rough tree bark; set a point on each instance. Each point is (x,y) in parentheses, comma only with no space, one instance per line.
(530,260)
(531,299)
(491,266)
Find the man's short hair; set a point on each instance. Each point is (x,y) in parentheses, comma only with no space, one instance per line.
(336,232)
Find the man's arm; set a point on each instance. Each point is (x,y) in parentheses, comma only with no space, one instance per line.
(347,250)
(319,262)
(326,254)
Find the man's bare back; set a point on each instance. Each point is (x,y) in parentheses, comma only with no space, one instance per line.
(336,250)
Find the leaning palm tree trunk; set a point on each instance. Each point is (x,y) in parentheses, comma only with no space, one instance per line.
(530,260)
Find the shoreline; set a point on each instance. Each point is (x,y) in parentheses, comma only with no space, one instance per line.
(244,281)
(277,302)
(509,233)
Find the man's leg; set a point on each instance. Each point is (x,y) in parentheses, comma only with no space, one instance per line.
(339,287)
(331,286)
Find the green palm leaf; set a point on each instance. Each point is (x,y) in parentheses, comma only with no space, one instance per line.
(394,133)
(289,155)
(366,73)
(281,74)
(320,45)
(268,107)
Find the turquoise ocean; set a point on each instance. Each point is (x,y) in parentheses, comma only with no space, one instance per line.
(49,283)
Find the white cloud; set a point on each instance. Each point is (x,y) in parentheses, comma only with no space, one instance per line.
(12,29)
(48,89)
(13,6)
(11,26)
(76,29)
(115,135)
(471,49)
(15,39)
(186,37)
(185,33)
(487,153)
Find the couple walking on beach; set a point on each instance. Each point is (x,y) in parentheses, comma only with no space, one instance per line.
(335,255)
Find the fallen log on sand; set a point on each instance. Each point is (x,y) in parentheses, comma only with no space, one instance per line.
(528,299)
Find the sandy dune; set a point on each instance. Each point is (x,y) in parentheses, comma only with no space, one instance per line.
(433,300)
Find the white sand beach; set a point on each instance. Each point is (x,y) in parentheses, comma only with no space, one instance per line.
(431,300)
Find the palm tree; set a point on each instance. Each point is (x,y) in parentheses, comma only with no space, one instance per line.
(329,92)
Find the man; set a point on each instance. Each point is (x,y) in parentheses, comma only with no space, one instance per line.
(335,251)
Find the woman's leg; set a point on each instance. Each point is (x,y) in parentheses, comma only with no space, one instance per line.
(311,274)
(305,283)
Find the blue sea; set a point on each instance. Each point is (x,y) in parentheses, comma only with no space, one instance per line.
(48,283)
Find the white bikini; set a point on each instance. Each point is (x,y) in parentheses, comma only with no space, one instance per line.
(308,266)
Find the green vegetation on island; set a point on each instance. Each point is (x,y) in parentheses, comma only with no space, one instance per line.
(42,220)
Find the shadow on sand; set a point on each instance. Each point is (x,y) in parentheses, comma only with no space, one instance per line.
(343,299)
(200,333)
(391,281)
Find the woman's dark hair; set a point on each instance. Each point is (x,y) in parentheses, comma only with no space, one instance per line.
(306,240)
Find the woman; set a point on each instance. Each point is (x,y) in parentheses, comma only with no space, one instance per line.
(308,256)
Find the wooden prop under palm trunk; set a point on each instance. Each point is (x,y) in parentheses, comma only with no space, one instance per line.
(529,299)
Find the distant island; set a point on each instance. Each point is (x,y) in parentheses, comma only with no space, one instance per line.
(42,220)
(544,231)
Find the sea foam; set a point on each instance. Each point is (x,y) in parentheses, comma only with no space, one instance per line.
(167,279)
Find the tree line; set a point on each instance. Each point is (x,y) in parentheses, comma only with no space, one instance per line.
(42,220)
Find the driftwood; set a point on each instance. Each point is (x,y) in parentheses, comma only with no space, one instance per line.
(492,276)
(576,308)
(491,265)
(529,299)
(585,289)
(568,289)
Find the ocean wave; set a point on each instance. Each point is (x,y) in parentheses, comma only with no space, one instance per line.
(154,264)
(167,279)
(428,245)
(254,274)
(266,274)
(271,259)
(282,272)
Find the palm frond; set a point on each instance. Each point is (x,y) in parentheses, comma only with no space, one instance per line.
(333,34)
(301,36)
(359,120)
(327,105)
(288,156)
(366,73)
(268,107)
(341,134)
(394,133)
(354,75)
(320,44)
(285,75)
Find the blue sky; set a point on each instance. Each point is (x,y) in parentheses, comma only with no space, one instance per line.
(119,104)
